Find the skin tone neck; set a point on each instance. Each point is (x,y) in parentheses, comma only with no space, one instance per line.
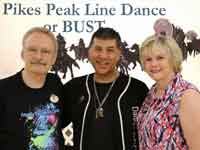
(33,80)
(106,79)
(162,84)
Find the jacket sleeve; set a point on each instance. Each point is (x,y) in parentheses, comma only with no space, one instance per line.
(146,90)
(67,104)
(67,107)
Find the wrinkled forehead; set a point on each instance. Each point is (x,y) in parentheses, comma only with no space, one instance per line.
(39,38)
(105,42)
(36,36)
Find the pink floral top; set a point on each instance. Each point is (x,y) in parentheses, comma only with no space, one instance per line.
(158,120)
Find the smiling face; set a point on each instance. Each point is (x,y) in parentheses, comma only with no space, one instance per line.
(38,53)
(104,56)
(157,63)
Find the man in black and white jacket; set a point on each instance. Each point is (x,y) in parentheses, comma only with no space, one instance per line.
(103,106)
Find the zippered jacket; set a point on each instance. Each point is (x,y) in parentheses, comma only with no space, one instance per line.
(127,94)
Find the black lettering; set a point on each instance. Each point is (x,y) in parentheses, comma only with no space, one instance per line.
(137,12)
(79,24)
(75,10)
(7,7)
(50,7)
(154,11)
(126,9)
(90,26)
(67,26)
(162,11)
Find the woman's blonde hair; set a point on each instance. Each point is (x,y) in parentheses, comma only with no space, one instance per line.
(166,42)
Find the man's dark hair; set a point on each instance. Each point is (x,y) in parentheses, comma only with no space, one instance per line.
(106,33)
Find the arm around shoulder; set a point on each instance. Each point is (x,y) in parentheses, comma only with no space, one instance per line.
(189,117)
(67,103)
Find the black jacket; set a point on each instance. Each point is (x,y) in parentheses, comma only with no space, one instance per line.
(128,94)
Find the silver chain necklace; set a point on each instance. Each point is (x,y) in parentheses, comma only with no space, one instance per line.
(99,109)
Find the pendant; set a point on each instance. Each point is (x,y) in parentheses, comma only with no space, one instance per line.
(99,113)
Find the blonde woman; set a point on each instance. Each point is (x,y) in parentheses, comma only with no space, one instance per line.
(169,117)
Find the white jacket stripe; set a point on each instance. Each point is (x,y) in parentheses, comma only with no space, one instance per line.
(120,114)
(85,111)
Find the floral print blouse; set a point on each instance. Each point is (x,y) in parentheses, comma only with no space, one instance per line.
(159,125)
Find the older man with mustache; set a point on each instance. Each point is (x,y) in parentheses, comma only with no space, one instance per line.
(30,101)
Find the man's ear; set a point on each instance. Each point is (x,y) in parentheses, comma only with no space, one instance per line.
(22,54)
(120,53)
(89,53)
(54,59)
